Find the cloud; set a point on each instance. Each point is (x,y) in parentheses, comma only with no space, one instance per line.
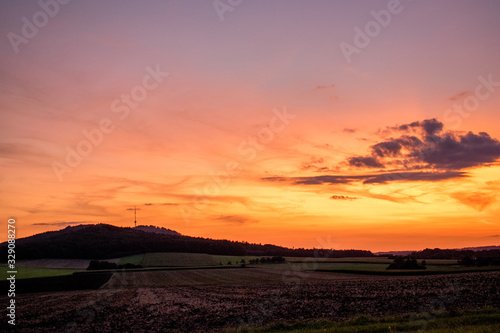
(342,197)
(370,178)
(349,130)
(317,180)
(321,87)
(425,144)
(235,219)
(494,236)
(463,151)
(33,152)
(313,163)
(476,200)
(414,176)
(365,162)
(421,151)
(430,126)
(62,224)
(161,204)
(378,178)
(459,96)
(346,180)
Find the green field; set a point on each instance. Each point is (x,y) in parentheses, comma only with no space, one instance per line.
(32,272)
(174,259)
(377,265)
(42,267)
(471,321)
(135,260)
(171,260)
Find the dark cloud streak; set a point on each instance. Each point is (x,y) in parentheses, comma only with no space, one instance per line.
(381,178)
(342,197)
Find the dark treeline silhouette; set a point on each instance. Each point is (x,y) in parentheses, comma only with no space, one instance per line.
(454,254)
(406,262)
(479,262)
(268,260)
(98,264)
(104,241)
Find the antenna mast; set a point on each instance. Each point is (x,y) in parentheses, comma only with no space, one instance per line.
(135,217)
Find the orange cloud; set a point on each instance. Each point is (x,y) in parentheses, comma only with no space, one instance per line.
(476,200)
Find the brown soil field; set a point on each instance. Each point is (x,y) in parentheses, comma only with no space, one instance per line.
(227,276)
(186,304)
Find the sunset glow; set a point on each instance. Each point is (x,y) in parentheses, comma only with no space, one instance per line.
(254,124)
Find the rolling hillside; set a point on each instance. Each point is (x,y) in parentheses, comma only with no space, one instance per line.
(103,241)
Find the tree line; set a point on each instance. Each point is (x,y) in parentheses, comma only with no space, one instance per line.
(455,254)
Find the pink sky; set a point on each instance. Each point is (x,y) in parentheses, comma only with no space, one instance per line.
(307,133)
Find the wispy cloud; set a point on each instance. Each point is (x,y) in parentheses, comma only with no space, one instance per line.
(323,87)
(459,96)
(380,178)
(476,200)
(62,224)
(161,204)
(235,219)
(313,163)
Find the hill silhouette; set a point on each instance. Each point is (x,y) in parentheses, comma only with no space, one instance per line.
(104,241)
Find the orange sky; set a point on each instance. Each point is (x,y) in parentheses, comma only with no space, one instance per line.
(251,122)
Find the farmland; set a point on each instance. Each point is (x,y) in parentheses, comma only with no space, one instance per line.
(381,268)
(212,300)
(479,321)
(175,260)
(230,276)
(189,292)
(234,260)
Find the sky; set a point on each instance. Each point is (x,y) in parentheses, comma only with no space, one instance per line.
(320,124)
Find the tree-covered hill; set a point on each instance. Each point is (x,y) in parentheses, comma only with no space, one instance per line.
(104,241)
